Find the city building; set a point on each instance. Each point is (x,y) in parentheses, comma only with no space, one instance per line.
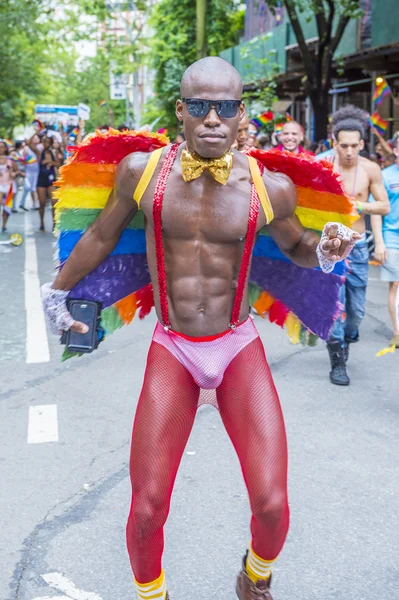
(369,49)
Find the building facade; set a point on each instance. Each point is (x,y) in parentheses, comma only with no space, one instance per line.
(368,49)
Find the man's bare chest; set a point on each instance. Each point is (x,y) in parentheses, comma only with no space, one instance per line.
(356,183)
(202,211)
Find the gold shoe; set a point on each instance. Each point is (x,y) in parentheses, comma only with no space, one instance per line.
(395,341)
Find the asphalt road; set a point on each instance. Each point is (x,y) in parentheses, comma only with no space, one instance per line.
(64,503)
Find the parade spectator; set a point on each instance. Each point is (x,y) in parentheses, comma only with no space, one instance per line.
(291,137)
(47,166)
(8,171)
(28,156)
(386,237)
(360,178)
(252,141)
(59,154)
(383,150)
(242,135)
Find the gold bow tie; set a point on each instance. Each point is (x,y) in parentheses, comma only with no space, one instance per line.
(193,165)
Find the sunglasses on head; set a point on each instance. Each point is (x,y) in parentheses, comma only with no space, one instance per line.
(199,108)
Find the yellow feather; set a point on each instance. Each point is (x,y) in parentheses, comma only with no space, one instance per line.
(387,350)
(293,326)
(82,197)
(316,219)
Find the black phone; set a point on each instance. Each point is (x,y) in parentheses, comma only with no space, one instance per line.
(87,312)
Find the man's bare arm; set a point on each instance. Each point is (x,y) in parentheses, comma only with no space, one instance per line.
(102,236)
(380,251)
(378,191)
(296,242)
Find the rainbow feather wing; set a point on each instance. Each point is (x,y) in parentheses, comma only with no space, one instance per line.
(122,282)
(306,301)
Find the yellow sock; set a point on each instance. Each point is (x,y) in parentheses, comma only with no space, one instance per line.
(257,568)
(154,590)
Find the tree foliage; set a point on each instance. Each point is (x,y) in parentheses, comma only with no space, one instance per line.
(41,63)
(173,46)
(332,17)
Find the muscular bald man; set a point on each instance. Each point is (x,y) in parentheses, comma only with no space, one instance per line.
(202,212)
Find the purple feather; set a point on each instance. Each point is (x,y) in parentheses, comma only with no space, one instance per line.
(310,294)
(116,277)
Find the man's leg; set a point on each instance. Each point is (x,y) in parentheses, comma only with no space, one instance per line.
(356,285)
(25,191)
(251,413)
(337,347)
(164,417)
(393,307)
(355,312)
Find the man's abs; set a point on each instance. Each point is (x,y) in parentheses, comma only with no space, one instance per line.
(204,227)
(201,283)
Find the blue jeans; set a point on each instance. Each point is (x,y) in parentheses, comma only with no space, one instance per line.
(353,296)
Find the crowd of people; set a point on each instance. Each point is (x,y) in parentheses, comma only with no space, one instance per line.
(198,257)
(30,167)
(372,179)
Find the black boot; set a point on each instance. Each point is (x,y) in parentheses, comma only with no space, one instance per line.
(349,340)
(338,374)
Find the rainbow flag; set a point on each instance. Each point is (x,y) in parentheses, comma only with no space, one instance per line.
(263,119)
(288,117)
(378,123)
(74,132)
(102,103)
(380,92)
(38,123)
(8,201)
(30,160)
(278,127)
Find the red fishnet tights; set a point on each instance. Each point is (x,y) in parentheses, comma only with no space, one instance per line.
(251,413)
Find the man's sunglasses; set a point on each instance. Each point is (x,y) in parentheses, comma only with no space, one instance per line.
(199,108)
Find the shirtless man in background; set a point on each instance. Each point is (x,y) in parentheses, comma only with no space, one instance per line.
(361,177)
(241,141)
(201,210)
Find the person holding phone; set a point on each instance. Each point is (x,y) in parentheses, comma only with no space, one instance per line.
(202,210)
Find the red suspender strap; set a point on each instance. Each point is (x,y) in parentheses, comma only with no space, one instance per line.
(157,218)
(247,254)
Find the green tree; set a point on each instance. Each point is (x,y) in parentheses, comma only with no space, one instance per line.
(173,47)
(22,59)
(40,63)
(332,17)
(201,28)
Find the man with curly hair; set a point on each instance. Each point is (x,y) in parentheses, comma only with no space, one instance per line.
(361,177)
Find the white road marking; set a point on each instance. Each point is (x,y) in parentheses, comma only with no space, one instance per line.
(52,598)
(43,424)
(37,349)
(65,585)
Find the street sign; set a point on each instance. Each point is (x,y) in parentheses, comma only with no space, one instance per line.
(117,84)
(83,111)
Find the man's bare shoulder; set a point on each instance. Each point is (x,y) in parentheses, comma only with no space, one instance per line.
(130,170)
(372,169)
(280,188)
(137,161)
(282,193)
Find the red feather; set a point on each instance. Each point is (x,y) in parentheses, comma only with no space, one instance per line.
(145,300)
(278,313)
(304,170)
(111,147)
